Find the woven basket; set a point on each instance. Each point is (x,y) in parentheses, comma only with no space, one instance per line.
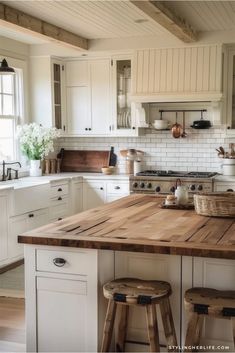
(216,204)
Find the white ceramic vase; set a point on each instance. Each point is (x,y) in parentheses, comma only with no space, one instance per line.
(35,168)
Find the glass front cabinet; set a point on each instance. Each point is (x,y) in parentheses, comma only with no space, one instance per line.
(230,85)
(124,122)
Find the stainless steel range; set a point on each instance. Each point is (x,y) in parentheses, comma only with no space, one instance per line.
(164,182)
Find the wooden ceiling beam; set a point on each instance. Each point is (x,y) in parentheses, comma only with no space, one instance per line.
(161,14)
(39,28)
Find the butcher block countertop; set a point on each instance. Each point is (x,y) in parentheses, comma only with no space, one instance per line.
(138,223)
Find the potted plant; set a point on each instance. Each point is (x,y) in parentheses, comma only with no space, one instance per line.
(36,142)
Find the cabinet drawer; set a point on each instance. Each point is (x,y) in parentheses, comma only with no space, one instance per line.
(117,188)
(225,187)
(59,207)
(70,262)
(59,190)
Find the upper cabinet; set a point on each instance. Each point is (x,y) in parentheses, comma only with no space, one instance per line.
(229,80)
(178,74)
(88,97)
(47,94)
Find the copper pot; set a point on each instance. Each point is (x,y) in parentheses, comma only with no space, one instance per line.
(176,129)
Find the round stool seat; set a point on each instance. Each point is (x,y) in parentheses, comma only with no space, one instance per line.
(136,291)
(211,297)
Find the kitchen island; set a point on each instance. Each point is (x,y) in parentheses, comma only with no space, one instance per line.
(68,261)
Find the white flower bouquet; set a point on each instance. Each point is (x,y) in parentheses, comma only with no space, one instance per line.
(36,141)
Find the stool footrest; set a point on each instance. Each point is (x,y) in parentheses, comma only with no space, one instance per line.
(201,308)
(228,312)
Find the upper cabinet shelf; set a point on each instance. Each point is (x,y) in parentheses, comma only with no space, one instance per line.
(178,74)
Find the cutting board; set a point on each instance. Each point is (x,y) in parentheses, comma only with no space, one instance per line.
(83,161)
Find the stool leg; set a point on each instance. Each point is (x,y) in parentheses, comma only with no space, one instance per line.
(194,328)
(108,325)
(122,328)
(233,324)
(152,328)
(168,323)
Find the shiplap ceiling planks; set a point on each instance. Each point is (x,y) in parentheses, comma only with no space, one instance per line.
(207,15)
(93,19)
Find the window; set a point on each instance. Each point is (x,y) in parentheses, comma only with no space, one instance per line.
(9,113)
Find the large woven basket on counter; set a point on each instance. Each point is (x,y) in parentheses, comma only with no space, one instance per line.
(215,204)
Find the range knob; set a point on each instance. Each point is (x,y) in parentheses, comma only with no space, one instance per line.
(200,187)
(158,189)
(149,185)
(172,189)
(142,185)
(135,184)
(192,187)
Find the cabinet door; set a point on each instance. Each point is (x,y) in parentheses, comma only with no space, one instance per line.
(77,73)
(18,225)
(218,274)
(3,226)
(78,110)
(62,322)
(77,198)
(93,194)
(38,218)
(100,96)
(148,266)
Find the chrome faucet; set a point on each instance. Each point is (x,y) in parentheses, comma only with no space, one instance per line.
(4,175)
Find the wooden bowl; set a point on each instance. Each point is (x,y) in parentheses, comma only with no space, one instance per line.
(108,170)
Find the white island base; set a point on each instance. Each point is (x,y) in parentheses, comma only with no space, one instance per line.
(65,307)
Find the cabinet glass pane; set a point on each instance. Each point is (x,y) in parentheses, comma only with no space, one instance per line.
(233,96)
(123,87)
(57,96)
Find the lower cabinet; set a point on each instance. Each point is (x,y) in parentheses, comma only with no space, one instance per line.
(21,224)
(93,194)
(76,197)
(65,307)
(218,274)
(3,226)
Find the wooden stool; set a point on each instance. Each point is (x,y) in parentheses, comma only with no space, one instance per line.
(202,302)
(136,292)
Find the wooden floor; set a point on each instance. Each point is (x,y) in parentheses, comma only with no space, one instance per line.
(12,325)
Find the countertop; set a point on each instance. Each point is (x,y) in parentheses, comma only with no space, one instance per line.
(138,223)
(45,179)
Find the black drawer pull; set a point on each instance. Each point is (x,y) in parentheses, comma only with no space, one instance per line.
(117,187)
(230,190)
(31,215)
(59,262)
(59,198)
(60,219)
(60,189)
(101,188)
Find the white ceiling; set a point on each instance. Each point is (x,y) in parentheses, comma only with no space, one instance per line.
(206,15)
(92,19)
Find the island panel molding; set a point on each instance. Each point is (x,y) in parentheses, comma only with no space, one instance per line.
(138,223)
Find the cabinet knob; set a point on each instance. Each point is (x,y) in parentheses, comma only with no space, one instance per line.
(60,189)
(31,215)
(230,190)
(89,129)
(59,262)
(101,188)
(133,127)
(86,128)
(59,198)
(60,219)
(117,187)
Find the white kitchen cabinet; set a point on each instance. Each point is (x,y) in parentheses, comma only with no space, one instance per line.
(229,83)
(218,274)
(149,266)
(47,91)
(21,224)
(98,192)
(88,97)
(76,197)
(3,225)
(70,306)
(93,194)
(59,201)
(224,186)
(194,73)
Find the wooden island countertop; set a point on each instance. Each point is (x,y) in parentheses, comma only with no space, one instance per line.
(138,223)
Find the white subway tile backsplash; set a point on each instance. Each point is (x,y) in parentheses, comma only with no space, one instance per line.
(162,151)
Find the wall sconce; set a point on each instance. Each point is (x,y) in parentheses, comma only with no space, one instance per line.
(5,69)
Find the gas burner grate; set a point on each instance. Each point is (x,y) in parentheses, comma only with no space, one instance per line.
(176,174)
